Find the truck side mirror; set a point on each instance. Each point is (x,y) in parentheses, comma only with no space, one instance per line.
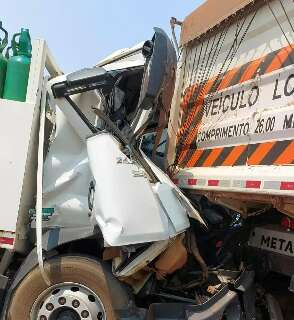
(160,59)
(159,74)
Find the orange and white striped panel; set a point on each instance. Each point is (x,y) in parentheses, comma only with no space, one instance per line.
(269,151)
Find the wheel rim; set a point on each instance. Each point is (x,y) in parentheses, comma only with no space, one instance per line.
(68,301)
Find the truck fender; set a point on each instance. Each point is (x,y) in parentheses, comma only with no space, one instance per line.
(51,240)
(28,264)
(58,236)
(121,296)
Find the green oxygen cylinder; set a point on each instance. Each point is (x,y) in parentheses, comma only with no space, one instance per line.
(3,60)
(18,67)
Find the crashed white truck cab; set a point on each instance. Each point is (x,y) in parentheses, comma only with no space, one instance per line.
(90,186)
(103,232)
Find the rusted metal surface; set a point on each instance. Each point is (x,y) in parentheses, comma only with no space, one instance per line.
(208,15)
(111,252)
(174,258)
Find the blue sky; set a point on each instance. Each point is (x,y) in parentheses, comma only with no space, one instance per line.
(81,32)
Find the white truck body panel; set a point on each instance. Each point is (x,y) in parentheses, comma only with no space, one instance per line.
(67,173)
(125,201)
(66,176)
(14,139)
(124,58)
(19,143)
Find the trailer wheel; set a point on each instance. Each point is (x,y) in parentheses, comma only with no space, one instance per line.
(78,290)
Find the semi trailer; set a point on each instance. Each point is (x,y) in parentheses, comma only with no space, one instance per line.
(231,132)
(141,188)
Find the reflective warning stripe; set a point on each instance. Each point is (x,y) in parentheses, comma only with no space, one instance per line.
(194,158)
(228,79)
(6,240)
(253,184)
(287,155)
(204,183)
(212,157)
(195,115)
(213,183)
(279,59)
(234,155)
(251,70)
(269,63)
(192,182)
(287,185)
(275,152)
(267,153)
(260,153)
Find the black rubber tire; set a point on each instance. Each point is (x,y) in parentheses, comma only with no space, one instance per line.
(82,270)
